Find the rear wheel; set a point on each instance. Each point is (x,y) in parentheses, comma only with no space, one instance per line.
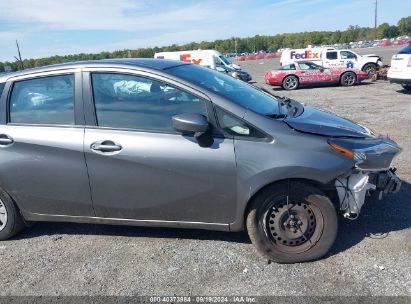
(348,79)
(290,82)
(292,223)
(11,221)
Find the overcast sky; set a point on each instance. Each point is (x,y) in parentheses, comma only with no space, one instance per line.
(51,27)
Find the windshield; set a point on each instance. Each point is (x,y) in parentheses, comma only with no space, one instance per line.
(225,60)
(228,87)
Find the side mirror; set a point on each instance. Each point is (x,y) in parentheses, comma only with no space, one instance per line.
(194,123)
(321,70)
(221,69)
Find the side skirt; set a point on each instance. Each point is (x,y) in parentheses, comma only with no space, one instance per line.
(35,217)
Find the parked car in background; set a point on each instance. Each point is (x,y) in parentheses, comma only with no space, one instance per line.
(208,58)
(169,144)
(291,76)
(400,70)
(238,74)
(332,58)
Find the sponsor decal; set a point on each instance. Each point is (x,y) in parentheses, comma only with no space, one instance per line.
(308,54)
(187,58)
(350,64)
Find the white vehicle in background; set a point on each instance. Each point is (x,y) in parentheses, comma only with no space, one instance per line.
(400,70)
(333,58)
(209,58)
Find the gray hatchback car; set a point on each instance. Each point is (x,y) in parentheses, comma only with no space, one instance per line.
(161,143)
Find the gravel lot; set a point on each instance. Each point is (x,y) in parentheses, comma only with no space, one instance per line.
(371,255)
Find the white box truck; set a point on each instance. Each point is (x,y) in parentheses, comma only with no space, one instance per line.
(333,58)
(208,58)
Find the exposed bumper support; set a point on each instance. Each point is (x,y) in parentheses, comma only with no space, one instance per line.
(352,189)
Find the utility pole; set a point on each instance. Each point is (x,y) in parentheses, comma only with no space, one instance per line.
(375,20)
(19,59)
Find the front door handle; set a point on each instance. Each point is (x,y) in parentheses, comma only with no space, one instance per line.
(106,146)
(5,140)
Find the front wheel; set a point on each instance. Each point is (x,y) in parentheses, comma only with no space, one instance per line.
(348,79)
(291,223)
(290,82)
(370,69)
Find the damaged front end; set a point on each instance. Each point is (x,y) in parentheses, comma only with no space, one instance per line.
(371,172)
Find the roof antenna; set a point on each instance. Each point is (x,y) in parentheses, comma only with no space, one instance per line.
(19,59)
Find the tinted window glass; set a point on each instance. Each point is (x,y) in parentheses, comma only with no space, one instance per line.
(131,102)
(331,55)
(309,66)
(47,100)
(234,90)
(235,126)
(405,50)
(288,67)
(1,88)
(347,55)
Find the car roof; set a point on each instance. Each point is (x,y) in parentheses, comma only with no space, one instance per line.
(150,63)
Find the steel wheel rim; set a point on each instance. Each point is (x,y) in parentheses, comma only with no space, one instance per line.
(349,79)
(3,215)
(280,231)
(291,83)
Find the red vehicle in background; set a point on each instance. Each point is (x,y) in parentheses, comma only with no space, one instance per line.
(291,76)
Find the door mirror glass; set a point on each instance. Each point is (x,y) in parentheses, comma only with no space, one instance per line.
(190,123)
(221,69)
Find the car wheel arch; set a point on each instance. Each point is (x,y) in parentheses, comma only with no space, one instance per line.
(328,189)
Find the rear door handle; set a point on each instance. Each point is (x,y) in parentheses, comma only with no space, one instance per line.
(106,146)
(5,140)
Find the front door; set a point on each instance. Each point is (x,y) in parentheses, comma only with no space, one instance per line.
(141,168)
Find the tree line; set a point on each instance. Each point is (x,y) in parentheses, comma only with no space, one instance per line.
(239,45)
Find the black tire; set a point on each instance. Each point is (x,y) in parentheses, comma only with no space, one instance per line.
(370,69)
(11,216)
(291,82)
(407,88)
(277,238)
(348,79)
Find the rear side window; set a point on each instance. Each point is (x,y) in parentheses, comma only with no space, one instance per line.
(46,100)
(331,55)
(405,50)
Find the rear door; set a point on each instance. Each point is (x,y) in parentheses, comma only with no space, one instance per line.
(42,162)
(140,168)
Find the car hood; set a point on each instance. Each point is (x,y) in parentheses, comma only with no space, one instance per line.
(318,122)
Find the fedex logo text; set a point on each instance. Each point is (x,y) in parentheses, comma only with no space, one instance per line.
(187,58)
(306,55)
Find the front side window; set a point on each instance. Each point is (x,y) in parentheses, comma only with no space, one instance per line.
(331,55)
(288,67)
(347,55)
(133,102)
(309,66)
(46,100)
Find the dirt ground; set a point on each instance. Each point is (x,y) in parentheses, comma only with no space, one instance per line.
(371,255)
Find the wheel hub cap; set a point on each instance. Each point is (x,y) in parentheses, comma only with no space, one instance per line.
(291,225)
(3,216)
